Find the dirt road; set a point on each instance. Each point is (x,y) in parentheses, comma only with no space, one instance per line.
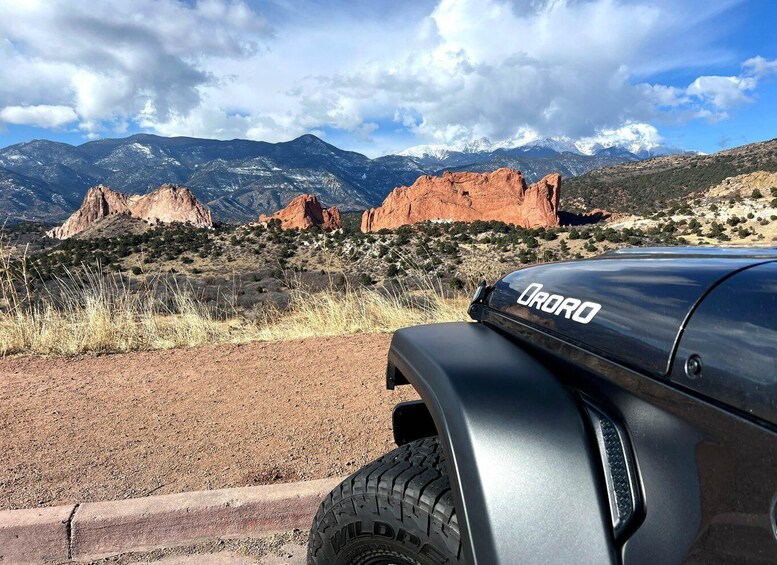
(116,426)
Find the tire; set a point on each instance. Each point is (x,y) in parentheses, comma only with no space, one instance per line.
(397,510)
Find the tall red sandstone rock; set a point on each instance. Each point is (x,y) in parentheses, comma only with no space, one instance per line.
(502,195)
(168,203)
(304,212)
(171,203)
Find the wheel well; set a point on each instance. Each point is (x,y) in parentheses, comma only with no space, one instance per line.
(411,421)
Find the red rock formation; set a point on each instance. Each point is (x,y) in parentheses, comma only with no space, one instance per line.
(171,203)
(501,195)
(304,212)
(168,203)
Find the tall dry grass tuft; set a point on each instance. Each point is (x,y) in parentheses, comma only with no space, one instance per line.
(93,312)
(344,309)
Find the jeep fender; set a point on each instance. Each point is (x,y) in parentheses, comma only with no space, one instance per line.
(527,482)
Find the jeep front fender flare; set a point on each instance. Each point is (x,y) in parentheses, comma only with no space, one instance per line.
(526,481)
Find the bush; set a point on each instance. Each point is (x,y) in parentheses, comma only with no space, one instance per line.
(716,230)
(756,194)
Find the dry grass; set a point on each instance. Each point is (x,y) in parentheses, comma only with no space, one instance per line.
(340,311)
(97,313)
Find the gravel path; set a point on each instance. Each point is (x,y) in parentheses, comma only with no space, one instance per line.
(117,426)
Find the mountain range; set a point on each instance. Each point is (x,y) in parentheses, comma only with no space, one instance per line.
(45,181)
(639,146)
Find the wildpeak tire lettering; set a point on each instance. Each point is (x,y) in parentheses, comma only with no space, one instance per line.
(571,308)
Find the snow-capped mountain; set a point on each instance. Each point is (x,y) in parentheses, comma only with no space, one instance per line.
(438,152)
(557,144)
(640,140)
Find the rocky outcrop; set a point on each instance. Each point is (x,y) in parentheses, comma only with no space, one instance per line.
(305,212)
(99,202)
(502,195)
(743,185)
(169,203)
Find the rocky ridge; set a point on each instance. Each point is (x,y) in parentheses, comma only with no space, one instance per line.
(305,212)
(502,195)
(168,203)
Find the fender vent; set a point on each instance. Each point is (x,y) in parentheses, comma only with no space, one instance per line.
(619,470)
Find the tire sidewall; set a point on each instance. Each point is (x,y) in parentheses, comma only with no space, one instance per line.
(360,530)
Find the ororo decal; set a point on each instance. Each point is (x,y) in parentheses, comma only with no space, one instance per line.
(571,308)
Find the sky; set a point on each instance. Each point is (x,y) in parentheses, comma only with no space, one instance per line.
(380,76)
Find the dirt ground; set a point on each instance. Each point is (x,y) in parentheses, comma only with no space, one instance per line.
(117,426)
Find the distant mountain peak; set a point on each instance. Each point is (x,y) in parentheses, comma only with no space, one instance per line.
(557,144)
(439,152)
(640,140)
(308,139)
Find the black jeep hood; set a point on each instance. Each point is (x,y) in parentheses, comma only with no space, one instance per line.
(628,305)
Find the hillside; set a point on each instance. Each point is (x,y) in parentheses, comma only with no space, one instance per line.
(239,179)
(647,186)
(24,199)
(740,210)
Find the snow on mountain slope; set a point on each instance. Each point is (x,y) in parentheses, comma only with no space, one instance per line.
(642,140)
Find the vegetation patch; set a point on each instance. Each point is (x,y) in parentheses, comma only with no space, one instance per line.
(644,187)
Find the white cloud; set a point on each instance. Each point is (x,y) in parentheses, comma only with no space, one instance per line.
(723,92)
(635,137)
(44,116)
(759,67)
(107,59)
(489,68)
(711,97)
(444,72)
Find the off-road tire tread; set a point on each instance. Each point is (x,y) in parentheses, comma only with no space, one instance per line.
(408,486)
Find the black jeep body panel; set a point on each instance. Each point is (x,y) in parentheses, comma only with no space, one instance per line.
(679,354)
(516,443)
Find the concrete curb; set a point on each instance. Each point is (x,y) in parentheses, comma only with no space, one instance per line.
(35,535)
(100,529)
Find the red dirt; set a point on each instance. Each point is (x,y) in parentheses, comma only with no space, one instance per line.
(109,427)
